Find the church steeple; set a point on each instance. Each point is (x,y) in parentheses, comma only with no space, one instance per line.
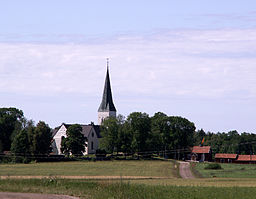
(107,107)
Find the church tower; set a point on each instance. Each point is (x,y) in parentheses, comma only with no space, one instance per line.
(107,107)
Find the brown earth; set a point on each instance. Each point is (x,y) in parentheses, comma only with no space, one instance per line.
(8,195)
(185,171)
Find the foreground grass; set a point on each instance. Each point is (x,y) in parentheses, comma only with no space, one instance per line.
(122,190)
(227,171)
(87,168)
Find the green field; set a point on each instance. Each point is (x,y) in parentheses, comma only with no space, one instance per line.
(235,186)
(87,168)
(121,190)
(228,171)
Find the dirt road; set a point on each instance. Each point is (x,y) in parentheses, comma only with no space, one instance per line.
(7,195)
(185,171)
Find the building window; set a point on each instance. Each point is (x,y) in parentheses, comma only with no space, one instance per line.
(92,134)
(92,145)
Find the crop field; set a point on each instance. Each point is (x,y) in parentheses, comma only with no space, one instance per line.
(227,171)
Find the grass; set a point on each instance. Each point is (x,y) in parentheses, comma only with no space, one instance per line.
(87,168)
(199,182)
(171,187)
(121,190)
(228,170)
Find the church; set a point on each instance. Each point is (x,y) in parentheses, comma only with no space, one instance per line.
(90,131)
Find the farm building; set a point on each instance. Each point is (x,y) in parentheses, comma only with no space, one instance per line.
(225,157)
(201,153)
(246,159)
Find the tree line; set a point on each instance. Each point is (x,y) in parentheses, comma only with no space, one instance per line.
(141,133)
(230,142)
(171,134)
(138,133)
(22,137)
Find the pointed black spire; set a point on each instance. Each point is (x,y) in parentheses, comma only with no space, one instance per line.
(107,101)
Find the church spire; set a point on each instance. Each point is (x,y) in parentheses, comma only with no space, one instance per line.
(107,104)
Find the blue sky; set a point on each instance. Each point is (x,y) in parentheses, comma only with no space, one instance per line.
(195,59)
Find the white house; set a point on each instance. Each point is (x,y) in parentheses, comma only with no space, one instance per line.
(91,132)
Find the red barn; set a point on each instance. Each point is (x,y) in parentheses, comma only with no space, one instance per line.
(201,153)
(246,159)
(225,157)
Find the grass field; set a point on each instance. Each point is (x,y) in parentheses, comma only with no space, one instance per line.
(236,186)
(122,190)
(228,171)
(87,168)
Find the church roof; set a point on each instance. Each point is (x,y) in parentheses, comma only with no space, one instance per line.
(107,101)
(86,128)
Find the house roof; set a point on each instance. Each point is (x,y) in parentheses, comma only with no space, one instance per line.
(86,128)
(201,149)
(246,158)
(225,155)
(55,130)
(107,101)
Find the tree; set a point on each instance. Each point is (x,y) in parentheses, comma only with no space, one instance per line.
(139,124)
(182,131)
(10,125)
(160,131)
(41,138)
(109,132)
(74,143)
(20,144)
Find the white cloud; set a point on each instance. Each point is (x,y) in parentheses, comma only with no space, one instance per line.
(185,63)
(204,75)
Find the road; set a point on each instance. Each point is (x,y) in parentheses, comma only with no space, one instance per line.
(185,171)
(8,195)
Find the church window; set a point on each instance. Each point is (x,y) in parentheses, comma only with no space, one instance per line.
(92,134)
(92,145)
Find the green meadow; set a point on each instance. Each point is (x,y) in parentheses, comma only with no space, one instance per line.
(227,171)
(90,168)
(87,189)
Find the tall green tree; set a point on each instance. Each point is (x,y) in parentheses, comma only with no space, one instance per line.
(20,144)
(74,143)
(139,124)
(160,131)
(181,130)
(41,138)
(113,137)
(10,125)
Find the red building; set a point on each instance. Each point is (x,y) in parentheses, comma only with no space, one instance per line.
(225,157)
(201,153)
(246,159)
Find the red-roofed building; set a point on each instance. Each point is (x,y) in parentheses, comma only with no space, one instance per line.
(201,153)
(246,159)
(225,157)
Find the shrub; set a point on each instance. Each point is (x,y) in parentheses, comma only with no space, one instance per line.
(214,166)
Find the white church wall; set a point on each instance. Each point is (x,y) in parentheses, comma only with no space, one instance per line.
(61,132)
(93,142)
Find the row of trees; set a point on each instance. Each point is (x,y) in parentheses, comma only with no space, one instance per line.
(21,136)
(231,142)
(142,133)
